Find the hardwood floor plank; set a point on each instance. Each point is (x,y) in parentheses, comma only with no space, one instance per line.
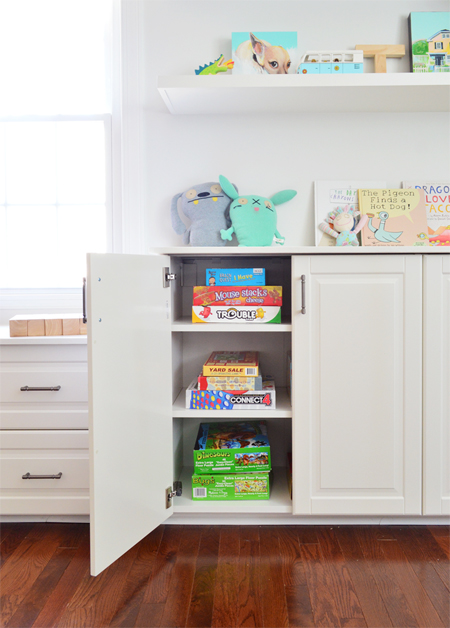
(346,599)
(202,597)
(12,536)
(226,584)
(369,597)
(307,534)
(296,587)
(433,552)
(322,601)
(149,616)
(64,591)
(181,582)
(418,601)
(444,543)
(249,595)
(273,596)
(158,586)
(39,593)
(133,590)
(25,565)
(425,571)
(443,530)
(390,590)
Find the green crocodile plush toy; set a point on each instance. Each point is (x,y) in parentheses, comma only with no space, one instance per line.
(215,67)
(253,217)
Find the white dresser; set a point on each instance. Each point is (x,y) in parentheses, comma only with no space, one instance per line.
(44,449)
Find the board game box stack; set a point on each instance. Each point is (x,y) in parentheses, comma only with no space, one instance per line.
(232,461)
(231,380)
(236,296)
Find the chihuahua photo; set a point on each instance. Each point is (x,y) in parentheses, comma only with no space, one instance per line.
(263,53)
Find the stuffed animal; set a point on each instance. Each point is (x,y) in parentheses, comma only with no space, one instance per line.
(253,217)
(207,207)
(344,227)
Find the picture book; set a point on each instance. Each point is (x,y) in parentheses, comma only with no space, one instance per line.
(397,217)
(258,52)
(243,363)
(437,200)
(235,276)
(429,34)
(328,195)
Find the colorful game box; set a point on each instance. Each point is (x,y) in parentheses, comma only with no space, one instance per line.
(240,363)
(264,399)
(224,314)
(237,486)
(235,276)
(232,447)
(237,295)
(230,383)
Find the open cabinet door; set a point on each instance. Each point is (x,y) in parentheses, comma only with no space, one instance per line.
(129,353)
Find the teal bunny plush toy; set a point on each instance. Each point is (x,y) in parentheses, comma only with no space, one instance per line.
(253,217)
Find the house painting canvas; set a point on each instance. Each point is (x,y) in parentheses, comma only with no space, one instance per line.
(430,41)
(259,52)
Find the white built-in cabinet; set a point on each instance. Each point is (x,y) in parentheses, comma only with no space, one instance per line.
(367,333)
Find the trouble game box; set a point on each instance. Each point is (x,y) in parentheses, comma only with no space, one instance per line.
(264,399)
(237,304)
(238,486)
(232,447)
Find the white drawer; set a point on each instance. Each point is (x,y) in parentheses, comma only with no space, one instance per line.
(63,456)
(71,379)
(44,416)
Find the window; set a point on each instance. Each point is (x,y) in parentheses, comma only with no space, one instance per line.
(55,140)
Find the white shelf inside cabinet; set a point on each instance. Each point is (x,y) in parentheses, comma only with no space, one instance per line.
(295,93)
(185,324)
(278,502)
(282,411)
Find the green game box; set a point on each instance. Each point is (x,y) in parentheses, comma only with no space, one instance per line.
(233,486)
(232,447)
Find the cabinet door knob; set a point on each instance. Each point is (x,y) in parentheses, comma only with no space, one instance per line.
(28,476)
(303,280)
(34,389)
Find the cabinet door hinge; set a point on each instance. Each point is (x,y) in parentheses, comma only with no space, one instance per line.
(176,492)
(168,277)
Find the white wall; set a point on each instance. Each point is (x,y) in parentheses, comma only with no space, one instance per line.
(263,153)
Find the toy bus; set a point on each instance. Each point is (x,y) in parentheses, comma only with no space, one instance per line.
(331,62)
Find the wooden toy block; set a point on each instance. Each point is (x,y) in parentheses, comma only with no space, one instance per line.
(53,327)
(71,326)
(381,52)
(36,327)
(83,327)
(18,327)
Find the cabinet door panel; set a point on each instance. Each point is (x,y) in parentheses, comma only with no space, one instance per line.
(129,355)
(357,373)
(436,385)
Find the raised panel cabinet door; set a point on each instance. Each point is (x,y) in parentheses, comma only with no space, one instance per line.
(357,384)
(436,361)
(129,364)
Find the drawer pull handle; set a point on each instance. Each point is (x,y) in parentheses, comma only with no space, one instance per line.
(46,388)
(28,476)
(303,280)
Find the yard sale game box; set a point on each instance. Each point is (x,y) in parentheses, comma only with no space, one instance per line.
(232,447)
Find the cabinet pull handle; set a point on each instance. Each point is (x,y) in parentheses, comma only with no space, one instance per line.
(28,476)
(303,280)
(46,388)
(84,301)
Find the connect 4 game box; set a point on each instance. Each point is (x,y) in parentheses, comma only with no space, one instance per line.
(264,399)
(232,447)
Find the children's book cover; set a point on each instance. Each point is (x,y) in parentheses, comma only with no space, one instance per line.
(397,217)
(261,52)
(437,200)
(429,33)
(328,195)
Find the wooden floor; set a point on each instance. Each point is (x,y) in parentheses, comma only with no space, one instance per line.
(272,576)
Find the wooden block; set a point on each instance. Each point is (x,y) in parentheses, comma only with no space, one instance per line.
(53,327)
(380,53)
(36,327)
(83,327)
(18,327)
(71,326)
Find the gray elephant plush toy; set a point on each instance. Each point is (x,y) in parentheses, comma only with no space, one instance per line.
(207,207)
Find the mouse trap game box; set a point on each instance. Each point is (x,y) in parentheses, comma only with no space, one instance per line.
(232,447)
(237,304)
(237,486)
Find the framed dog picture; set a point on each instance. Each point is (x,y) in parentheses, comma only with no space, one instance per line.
(264,52)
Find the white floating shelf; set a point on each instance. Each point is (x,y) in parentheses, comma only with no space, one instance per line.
(282,411)
(295,93)
(278,502)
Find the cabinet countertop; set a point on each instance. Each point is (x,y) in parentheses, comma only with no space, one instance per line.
(298,250)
